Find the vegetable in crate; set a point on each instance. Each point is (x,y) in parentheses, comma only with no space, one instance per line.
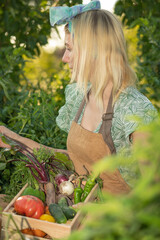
(50,193)
(64,184)
(68,199)
(29,206)
(66,188)
(57,213)
(33,232)
(60,178)
(78,193)
(34,192)
(43,171)
(62,202)
(88,187)
(68,211)
(47,217)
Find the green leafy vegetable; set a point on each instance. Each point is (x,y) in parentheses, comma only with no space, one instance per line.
(41,162)
(34,192)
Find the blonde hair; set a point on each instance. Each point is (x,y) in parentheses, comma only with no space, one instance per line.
(100,54)
(66,29)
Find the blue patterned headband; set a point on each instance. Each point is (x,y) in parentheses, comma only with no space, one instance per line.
(63,15)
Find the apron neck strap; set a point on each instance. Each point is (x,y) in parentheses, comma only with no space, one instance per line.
(105,128)
(108,115)
(81,108)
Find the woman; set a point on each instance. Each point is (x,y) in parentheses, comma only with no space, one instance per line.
(102,95)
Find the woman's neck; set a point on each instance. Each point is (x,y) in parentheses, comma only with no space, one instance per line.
(107,90)
(106,95)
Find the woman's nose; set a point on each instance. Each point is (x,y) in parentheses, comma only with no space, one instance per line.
(65,58)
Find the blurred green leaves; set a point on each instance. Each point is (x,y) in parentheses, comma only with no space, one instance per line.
(24,27)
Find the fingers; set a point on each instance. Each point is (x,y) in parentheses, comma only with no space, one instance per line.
(4,130)
(3,145)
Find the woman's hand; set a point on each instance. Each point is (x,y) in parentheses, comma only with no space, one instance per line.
(6,132)
(26,141)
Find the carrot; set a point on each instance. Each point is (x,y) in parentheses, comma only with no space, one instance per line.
(33,232)
(28,231)
(39,233)
(50,193)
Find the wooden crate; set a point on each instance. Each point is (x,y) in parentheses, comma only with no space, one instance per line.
(54,230)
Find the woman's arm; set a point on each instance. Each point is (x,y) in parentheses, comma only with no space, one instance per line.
(30,144)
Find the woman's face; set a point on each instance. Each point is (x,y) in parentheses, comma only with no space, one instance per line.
(68,54)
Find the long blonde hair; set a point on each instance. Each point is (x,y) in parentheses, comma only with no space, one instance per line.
(100,54)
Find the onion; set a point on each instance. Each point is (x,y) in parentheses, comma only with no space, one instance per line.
(66,188)
(60,178)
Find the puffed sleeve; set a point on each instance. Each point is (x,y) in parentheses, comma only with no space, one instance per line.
(73,98)
(131,111)
(138,111)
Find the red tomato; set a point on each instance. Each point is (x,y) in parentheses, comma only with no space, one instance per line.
(30,206)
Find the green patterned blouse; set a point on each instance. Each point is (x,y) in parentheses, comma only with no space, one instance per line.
(130,103)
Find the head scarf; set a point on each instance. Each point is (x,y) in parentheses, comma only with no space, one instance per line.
(63,15)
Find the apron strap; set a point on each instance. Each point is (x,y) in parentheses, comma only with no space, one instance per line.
(105,128)
(81,108)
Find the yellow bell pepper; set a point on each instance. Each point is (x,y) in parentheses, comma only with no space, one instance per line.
(47,217)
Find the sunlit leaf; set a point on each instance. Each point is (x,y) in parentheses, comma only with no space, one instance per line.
(2,166)
(67,162)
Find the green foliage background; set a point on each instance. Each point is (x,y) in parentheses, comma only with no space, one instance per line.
(145,16)
(32,82)
(30,106)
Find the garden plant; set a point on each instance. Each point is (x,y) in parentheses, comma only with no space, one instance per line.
(30,110)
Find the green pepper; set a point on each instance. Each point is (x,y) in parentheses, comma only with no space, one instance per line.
(34,192)
(88,187)
(99,181)
(78,193)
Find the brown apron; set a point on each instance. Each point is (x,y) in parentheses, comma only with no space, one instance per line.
(86,147)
